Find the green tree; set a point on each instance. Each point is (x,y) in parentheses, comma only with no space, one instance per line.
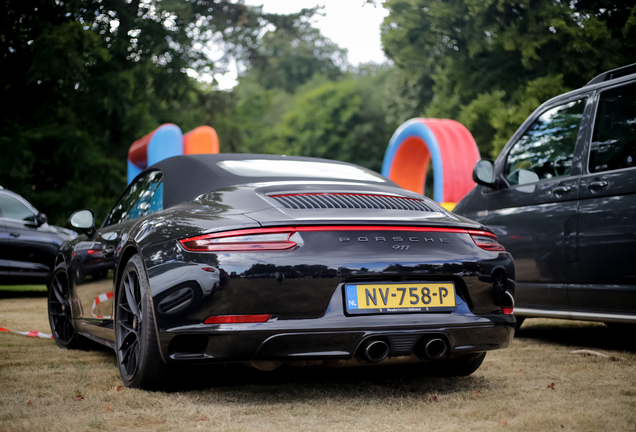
(288,59)
(286,63)
(342,120)
(84,79)
(490,63)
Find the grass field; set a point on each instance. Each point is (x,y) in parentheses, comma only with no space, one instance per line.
(535,385)
(38,288)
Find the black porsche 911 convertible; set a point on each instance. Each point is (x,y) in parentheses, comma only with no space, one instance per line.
(271,260)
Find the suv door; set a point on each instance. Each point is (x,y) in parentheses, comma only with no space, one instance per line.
(604,278)
(533,211)
(31,249)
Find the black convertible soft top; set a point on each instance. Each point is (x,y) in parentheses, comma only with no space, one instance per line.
(188,176)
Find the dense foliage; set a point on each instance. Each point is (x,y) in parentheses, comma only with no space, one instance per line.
(84,79)
(490,63)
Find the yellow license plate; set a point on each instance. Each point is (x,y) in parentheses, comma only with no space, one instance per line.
(401,297)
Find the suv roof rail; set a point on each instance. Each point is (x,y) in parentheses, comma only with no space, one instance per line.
(613,74)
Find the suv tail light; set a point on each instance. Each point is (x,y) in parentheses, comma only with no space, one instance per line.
(485,240)
(250,240)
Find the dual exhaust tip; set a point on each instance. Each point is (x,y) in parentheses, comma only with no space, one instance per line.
(430,349)
(427,348)
(374,351)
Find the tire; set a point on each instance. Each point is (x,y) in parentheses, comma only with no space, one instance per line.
(137,348)
(59,311)
(621,328)
(78,272)
(461,366)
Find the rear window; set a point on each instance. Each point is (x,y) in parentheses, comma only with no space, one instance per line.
(291,168)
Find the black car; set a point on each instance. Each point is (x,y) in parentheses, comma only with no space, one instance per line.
(90,259)
(273,260)
(561,197)
(28,244)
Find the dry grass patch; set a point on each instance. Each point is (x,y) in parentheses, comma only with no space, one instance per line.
(47,388)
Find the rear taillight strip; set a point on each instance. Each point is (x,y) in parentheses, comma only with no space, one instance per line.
(205,243)
(378,228)
(491,243)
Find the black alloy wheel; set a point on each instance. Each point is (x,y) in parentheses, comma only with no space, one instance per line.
(138,357)
(129,322)
(59,309)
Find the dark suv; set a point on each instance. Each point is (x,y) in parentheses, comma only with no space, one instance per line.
(562,199)
(28,245)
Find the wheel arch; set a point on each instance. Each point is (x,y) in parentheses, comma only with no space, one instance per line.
(128,252)
(59,260)
(60,264)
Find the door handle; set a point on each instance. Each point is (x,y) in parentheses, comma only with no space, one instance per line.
(561,190)
(597,184)
(109,251)
(14,234)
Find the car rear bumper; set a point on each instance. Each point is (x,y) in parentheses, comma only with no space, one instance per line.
(336,336)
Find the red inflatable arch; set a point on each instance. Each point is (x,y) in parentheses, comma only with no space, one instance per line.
(447,144)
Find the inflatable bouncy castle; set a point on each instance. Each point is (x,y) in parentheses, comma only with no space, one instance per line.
(166,141)
(416,144)
(447,144)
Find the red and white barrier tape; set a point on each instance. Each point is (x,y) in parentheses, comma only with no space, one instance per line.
(32,333)
(100,299)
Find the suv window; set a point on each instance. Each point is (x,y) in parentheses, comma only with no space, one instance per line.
(139,199)
(12,208)
(614,138)
(546,148)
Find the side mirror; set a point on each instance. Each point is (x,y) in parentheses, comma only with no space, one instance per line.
(83,220)
(527,178)
(41,219)
(484,173)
